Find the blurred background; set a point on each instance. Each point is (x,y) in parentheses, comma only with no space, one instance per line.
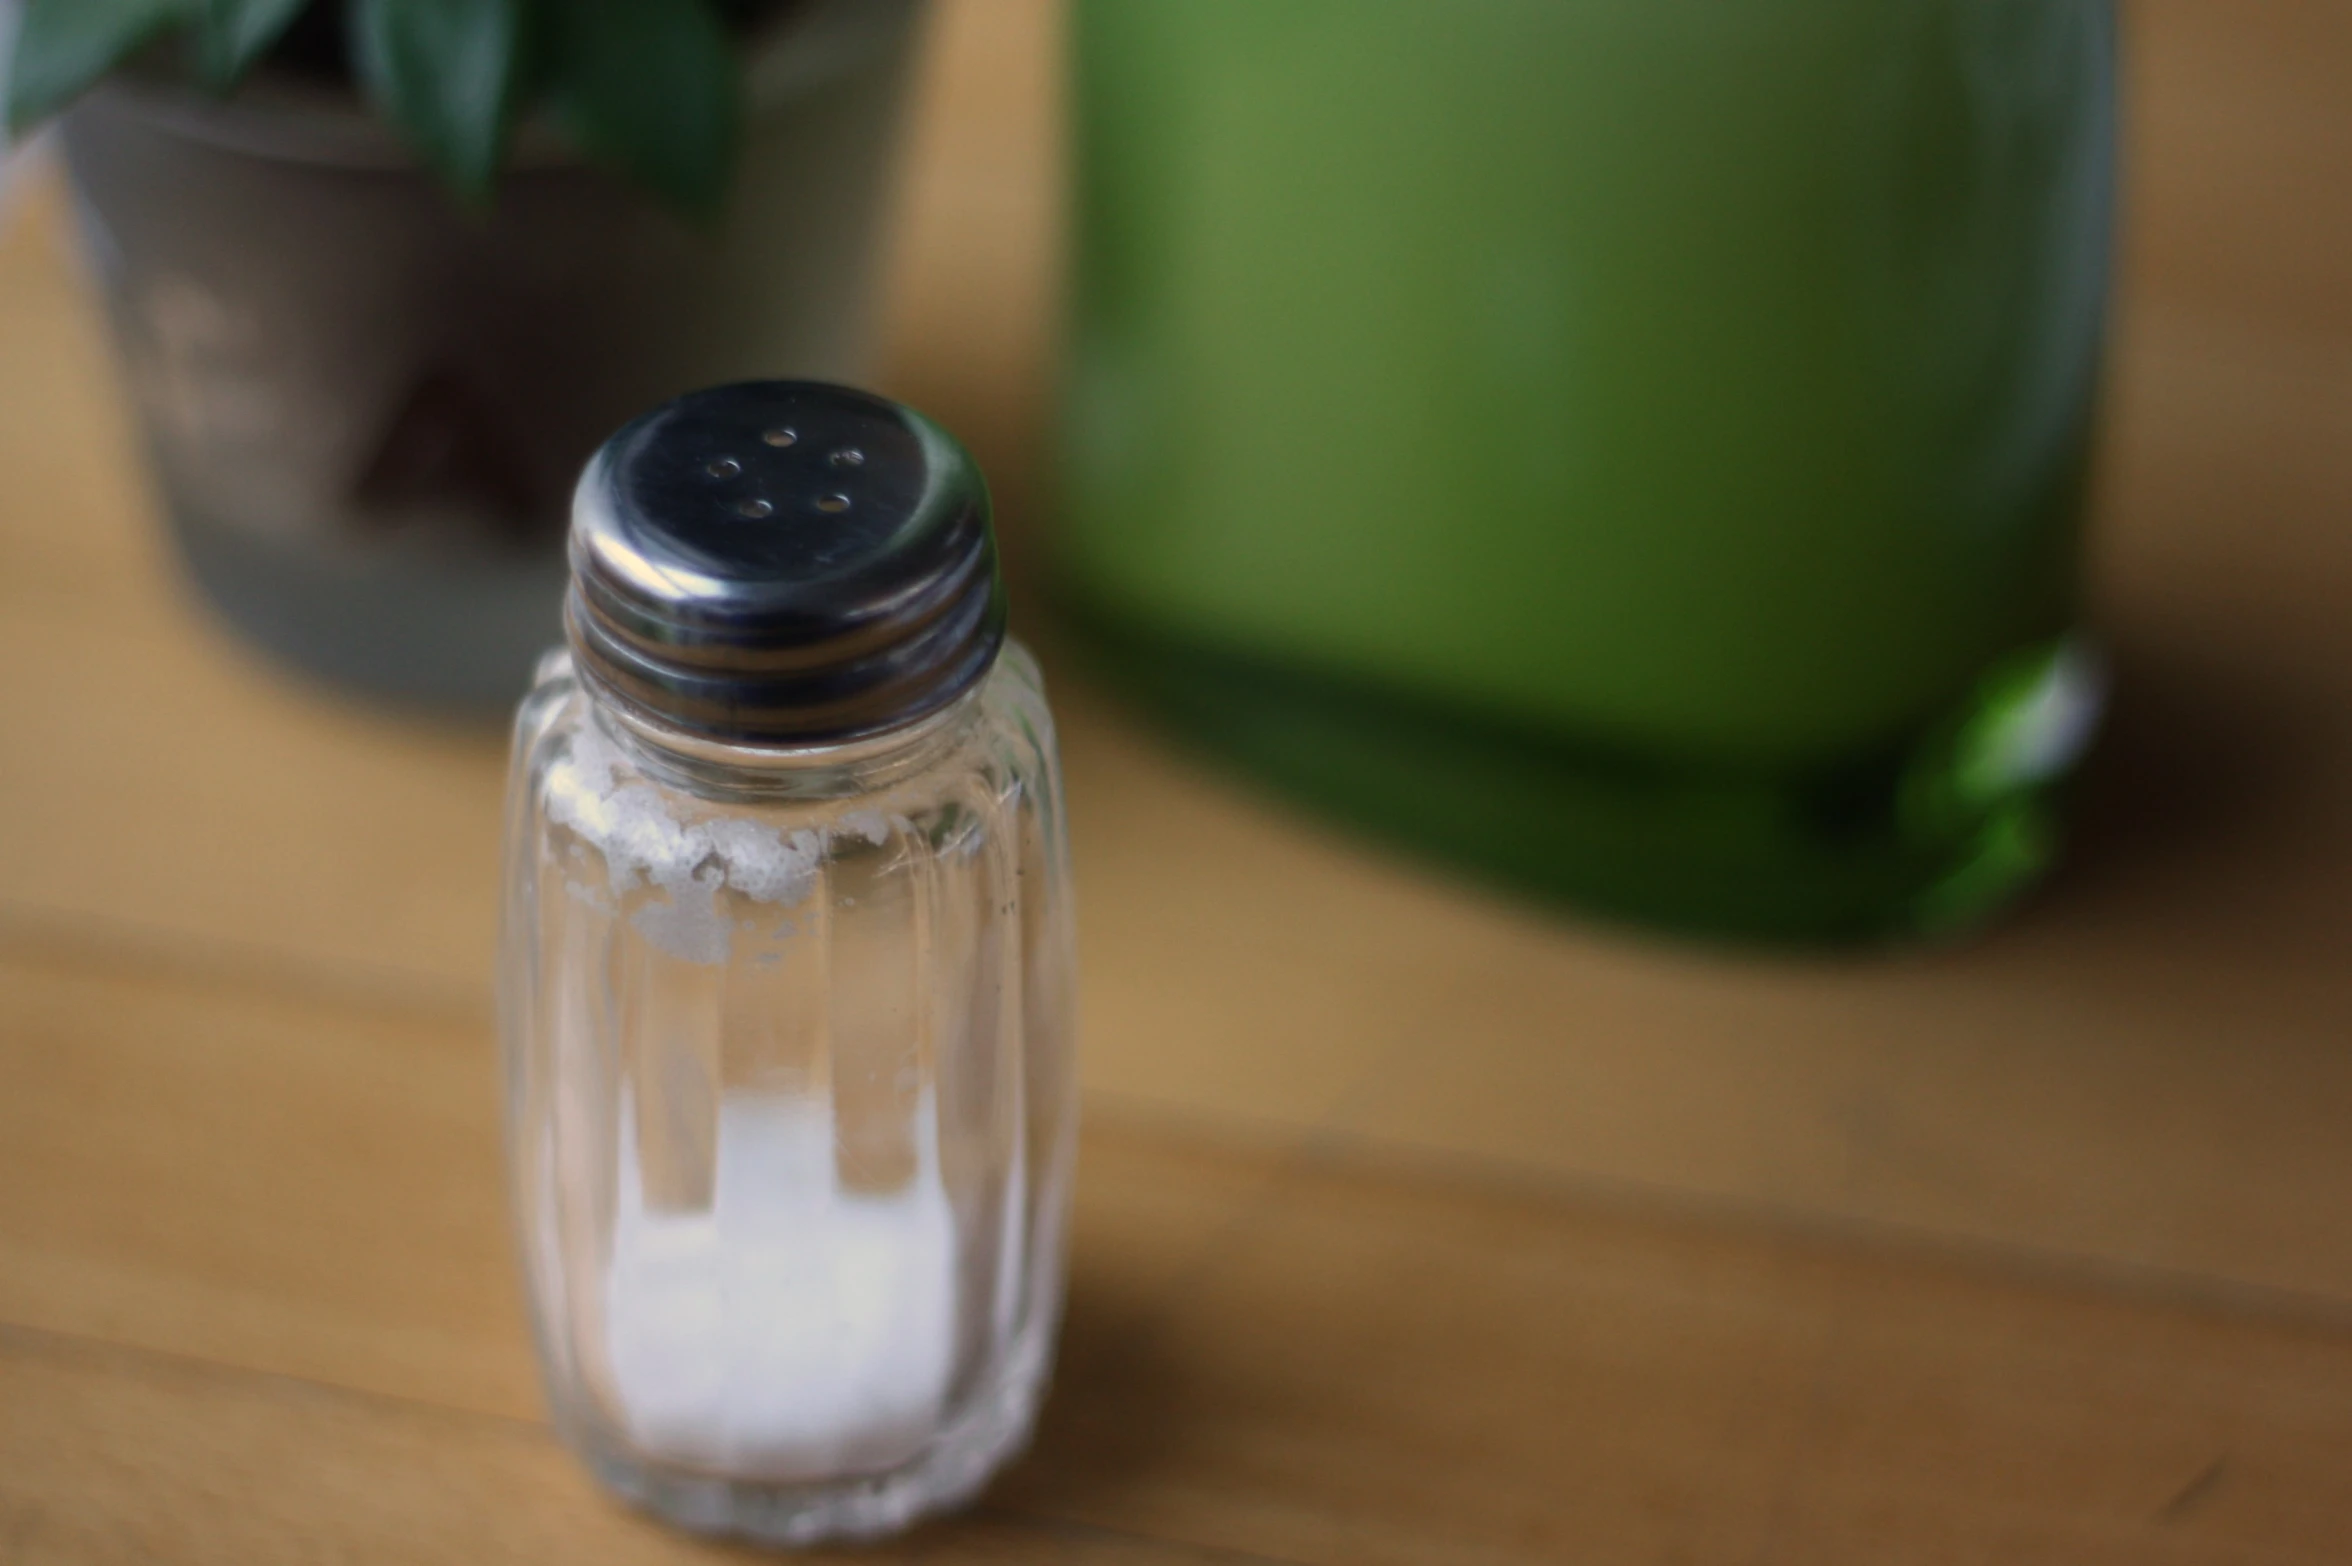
(1579,549)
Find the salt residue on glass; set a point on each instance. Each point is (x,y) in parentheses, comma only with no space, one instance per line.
(592,790)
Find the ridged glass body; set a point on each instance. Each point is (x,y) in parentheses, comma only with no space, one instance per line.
(790,1102)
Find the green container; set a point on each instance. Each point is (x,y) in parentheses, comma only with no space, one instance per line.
(1633,447)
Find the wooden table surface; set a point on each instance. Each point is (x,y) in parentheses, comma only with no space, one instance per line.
(1414,1227)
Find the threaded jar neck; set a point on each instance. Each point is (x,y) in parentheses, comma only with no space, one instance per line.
(782,565)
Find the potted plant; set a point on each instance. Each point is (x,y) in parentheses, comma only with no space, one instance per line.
(382,272)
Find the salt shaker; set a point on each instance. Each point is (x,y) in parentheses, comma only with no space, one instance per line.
(786,979)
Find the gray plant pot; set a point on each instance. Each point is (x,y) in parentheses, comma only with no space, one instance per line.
(365,406)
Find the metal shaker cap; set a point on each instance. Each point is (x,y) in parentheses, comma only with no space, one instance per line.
(783,563)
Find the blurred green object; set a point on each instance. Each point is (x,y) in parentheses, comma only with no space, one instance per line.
(1633,447)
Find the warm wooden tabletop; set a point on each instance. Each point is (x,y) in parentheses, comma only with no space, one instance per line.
(1413,1227)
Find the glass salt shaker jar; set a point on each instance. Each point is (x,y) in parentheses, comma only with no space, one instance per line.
(786,981)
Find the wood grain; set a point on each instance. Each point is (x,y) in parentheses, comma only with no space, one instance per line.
(253,1245)
(1385,1365)
(306,1182)
(111,1456)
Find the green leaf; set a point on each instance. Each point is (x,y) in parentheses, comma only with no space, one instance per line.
(652,88)
(448,73)
(232,34)
(63,46)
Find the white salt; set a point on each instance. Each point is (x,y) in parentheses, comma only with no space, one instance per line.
(792,1331)
(591,790)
